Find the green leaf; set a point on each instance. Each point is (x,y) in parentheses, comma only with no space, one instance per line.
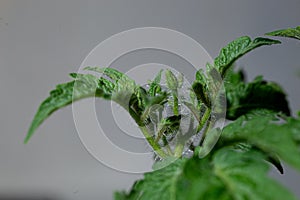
(168,126)
(158,99)
(155,87)
(271,157)
(171,80)
(237,48)
(157,185)
(226,175)
(233,78)
(231,175)
(124,87)
(200,76)
(136,104)
(195,111)
(110,72)
(180,80)
(293,124)
(209,141)
(259,94)
(85,85)
(267,133)
(107,87)
(290,32)
(201,93)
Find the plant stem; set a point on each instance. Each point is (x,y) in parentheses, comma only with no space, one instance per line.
(193,110)
(175,102)
(160,134)
(152,142)
(204,133)
(167,146)
(204,119)
(178,150)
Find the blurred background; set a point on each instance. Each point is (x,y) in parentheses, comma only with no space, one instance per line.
(42,41)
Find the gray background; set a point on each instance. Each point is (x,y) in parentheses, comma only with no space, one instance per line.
(42,41)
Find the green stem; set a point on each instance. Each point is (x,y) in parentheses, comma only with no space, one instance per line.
(175,102)
(159,136)
(204,119)
(169,150)
(204,133)
(179,147)
(145,114)
(152,142)
(160,133)
(193,110)
(167,146)
(178,150)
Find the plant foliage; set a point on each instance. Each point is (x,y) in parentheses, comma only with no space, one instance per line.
(290,32)
(227,164)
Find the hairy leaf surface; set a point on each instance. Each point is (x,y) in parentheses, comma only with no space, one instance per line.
(227,175)
(237,48)
(160,184)
(270,134)
(259,94)
(85,85)
(290,32)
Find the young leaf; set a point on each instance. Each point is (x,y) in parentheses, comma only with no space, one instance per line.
(290,32)
(124,87)
(85,85)
(155,87)
(171,80)
(200,76)
(180,80)
(195,111)
(201,93)
(237,48)
(110,72)
(107,87)
(136,104)
(259,94)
